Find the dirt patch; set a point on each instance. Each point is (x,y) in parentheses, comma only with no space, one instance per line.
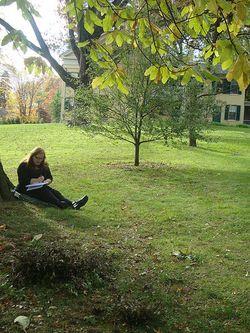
(143,166)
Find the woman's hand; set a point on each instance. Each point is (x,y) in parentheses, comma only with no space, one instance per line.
(40,179)
(48,181)
(37,180)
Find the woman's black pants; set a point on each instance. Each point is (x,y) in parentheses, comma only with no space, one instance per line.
(49,195)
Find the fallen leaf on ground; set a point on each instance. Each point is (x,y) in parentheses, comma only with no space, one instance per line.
(23,321)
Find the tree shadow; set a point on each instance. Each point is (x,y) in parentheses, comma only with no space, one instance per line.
(70,218)
(21,219)
(187,178)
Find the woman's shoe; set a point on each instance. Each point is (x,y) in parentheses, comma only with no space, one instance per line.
(80,203)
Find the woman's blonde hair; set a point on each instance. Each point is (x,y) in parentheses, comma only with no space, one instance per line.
(29,158)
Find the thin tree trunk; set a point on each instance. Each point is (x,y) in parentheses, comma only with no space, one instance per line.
(5,186)
(137,153)
(192,139)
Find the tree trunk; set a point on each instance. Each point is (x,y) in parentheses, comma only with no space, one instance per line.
(5,186)
(137,154)
(192,140)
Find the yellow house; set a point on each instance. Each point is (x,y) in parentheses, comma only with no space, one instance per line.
(235,109)
(236,104)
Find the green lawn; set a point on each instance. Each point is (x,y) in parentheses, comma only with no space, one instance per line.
(193,200)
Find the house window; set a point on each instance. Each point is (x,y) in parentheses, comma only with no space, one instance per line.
(247,94)
(226,87)
(234,88)
(232,112)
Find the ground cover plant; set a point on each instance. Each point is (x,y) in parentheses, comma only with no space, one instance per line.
(173,231)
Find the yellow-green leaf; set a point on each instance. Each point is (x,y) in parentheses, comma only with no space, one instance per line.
(222,27)
(205,27)
(164,74)
(152,72)
(119,39)
(240,72)
(153,49)
(7,39)
(108,21)
(241,10)
(197,77)
(185,11)
(225,5)
(187,76)
(164,8)
(216,61)
(142,27)
(97,82)
(95,19)
(109,38)
(93,55)
(89,26)
(121,86)
(227,64)
(208,53)
(83,44)
(209,75)
(173,75)
(212,6)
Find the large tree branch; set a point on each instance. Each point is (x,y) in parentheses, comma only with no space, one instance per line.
(228,31)
(207,94)
(28,43)
(72,82)
(38,34)
(113,135)
(152,140)
(44,52)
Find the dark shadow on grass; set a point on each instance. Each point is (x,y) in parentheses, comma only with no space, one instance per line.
(187,179)
(230,152)
(23,218)
(70,218)
(22,221)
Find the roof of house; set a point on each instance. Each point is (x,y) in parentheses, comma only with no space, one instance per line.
(67,54)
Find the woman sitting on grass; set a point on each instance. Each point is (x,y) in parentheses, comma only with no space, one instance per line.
(33,170)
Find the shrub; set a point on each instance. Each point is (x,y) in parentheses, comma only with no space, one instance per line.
(53,262)
(243,126)
(10,121)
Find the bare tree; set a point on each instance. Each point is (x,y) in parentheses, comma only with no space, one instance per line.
(134,118)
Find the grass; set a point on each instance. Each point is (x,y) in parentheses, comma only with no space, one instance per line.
(194,200)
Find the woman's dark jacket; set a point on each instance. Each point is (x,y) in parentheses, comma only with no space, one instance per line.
(25,174)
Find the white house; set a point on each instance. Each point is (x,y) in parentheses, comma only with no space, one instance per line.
(70,63)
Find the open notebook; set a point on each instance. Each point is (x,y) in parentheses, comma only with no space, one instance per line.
(34,186)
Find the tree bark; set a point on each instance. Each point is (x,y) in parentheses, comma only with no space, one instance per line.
(137,154)
(5,186)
